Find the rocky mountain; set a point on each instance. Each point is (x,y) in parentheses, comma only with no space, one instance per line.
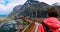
(56,4)
(31,9)
(15,11)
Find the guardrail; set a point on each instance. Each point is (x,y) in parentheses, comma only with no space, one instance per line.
(30,27)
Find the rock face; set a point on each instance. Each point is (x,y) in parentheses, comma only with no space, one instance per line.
(15,11)
(31,9)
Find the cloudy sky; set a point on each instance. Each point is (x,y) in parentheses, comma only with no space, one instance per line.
(6,6)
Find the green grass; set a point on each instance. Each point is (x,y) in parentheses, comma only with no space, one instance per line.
(58,19)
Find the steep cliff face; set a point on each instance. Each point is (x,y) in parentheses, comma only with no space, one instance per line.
(31,9)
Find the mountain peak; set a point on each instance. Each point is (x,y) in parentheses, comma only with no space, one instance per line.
(56,4)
